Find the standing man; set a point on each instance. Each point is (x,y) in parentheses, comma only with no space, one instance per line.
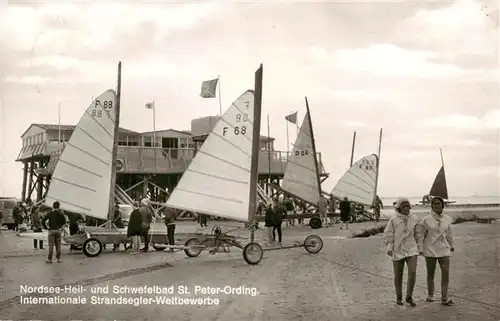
(376,208)
(345,212)
(147,218)
(54,221)
(333,208)
(17,215)
(36,225)
(74,219)
(170,223)
(322,206)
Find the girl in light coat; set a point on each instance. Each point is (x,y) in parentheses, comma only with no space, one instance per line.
(403,242)
(437,247)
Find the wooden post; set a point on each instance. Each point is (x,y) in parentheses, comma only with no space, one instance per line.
(30,183)
(39,182)
(254,167)
(25,178)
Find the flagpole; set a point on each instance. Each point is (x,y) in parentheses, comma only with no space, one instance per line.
(269,148)
(154,125)
(220,99)
(59,121)
(287,141)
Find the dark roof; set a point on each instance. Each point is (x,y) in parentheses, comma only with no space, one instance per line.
(67,128)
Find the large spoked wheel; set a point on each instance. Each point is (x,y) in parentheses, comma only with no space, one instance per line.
(315,223)
(253,253)
(313,244)
(190,251)
(92,247)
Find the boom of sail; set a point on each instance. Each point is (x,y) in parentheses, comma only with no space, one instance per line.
(358,183)
(217,181)
(301,175)
(81,181)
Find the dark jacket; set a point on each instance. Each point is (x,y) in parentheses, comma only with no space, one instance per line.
(279,212)
(269,218)
(170,216)
(36,220)
(74,218)
(345,207)
(135,223)
(55,218)
(289,205)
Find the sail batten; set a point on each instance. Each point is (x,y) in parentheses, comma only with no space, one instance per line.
(301,176)
(355,183)
(81,178)
(217,181)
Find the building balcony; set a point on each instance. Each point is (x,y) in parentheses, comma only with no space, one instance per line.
(150,160)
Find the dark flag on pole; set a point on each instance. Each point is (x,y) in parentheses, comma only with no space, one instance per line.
(208,88)
(292,118)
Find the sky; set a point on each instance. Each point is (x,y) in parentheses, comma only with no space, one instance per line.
(425,72)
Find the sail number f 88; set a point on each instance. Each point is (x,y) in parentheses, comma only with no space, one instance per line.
(97,112)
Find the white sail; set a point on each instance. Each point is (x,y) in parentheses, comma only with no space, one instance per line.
(358,183)
(301,177)
(81,180)
(217,181)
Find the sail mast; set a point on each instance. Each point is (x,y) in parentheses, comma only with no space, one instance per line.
(115,143)
(254,165)
(313,148)
(352,150)
(442,161)
(378,163)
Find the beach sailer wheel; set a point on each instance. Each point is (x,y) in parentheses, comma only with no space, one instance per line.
(92,247)
(315,223)
(189,250)
(253,253)
(313,244)
(159,247)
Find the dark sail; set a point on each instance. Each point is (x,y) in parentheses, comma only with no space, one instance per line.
(439,188)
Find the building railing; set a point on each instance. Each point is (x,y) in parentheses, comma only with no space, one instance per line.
(158,159)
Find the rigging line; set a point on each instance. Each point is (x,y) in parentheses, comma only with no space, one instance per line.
(354,267)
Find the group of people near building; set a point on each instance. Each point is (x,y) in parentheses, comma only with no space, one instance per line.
(406,237)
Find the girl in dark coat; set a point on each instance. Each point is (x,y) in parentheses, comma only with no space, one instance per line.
(279,212)
(134,228)
(269,221)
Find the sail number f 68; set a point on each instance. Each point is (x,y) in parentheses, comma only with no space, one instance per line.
(236,129)
(107,105)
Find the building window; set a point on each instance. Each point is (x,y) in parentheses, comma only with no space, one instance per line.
(122,140)
(133,140)
(147,141)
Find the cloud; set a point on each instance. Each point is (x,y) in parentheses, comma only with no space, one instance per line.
(490,120)
(355,95)
(460,29)
(391,60)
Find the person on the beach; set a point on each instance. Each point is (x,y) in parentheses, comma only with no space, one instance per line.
(147,218)
(269,221)
(279,213)
(332,204)
(378,204)
(323,209)
(437,247)
(17,215)
(170,223)
(403,242)
(345,212)
(134,228)
(289,211)
(36,226)
(54,221)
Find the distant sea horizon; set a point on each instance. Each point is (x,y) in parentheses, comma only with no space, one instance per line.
(475,199)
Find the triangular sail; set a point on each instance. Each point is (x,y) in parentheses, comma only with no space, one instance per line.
(81,180)
(301,178)
(217,181)
(358,183)
(439,187)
